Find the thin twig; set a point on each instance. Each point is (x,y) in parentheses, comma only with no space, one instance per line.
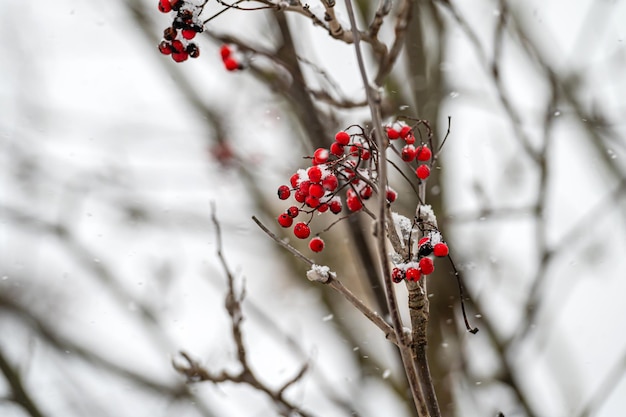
(335,284)
(373,100)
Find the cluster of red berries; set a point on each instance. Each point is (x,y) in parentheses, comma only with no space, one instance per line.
(185,26)
(228,58)
(409,152)
(428,246)
(345,166)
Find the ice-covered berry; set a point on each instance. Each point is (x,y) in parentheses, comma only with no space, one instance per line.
(320,156)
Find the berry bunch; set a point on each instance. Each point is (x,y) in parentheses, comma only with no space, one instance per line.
(231,63)
(427,247)
(346,169)
(409,152)
(185,25)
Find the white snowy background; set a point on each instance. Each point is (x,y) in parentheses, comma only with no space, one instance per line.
(107,181)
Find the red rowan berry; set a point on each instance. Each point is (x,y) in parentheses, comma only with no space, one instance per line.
(169,34)
(330,183)
(316,244)
(316,190)
(299,196)
(165,48)
(337,149)
(422,153)
(188,33)
(304,187)
(408,153)
(410,139)
(423,241)
(284,192)
(312,201)
(404,132)
(322,208)
(177,4)
(301,230)
(285,220)
(180,56)
(193,50)
(342,138)
(392,133)
(354,204)
(177,46)
(294,180)
(315,174)
(440,249)
(225,52)
(392,195)
(422,172)
(231,64)
(335,206)
(366,192)
(293,211)
(413,274)
(427,266)
(397,275)
(321,156)
(165,6)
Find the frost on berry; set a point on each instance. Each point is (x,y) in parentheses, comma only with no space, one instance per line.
(321,156)
(397,275)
